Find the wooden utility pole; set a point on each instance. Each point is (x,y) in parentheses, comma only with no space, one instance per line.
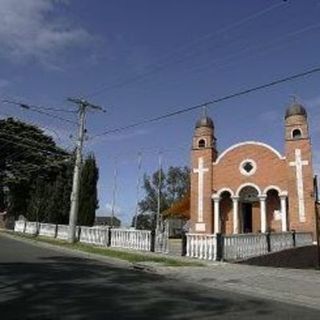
(138,190)
(316,195)
(159,191)
(113,206)
(83,106)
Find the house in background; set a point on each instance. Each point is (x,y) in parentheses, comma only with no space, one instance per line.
(107,221)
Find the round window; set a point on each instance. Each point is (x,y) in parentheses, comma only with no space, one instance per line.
(248,167)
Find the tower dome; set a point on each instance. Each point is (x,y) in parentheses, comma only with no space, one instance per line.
(204,121)
(295,109)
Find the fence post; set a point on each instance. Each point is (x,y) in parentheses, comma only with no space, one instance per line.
(37,228)
(268,239)
(184,244)
(109,237)
(153,240)
(220,245)
(79,234)
(294,238)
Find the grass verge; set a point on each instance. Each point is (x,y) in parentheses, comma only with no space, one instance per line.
(133,257)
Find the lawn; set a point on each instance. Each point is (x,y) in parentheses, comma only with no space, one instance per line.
(133,257)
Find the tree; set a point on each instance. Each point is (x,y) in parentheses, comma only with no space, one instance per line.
(2,195)
(144,221)
(174,185)
(88,192)
(36,176)
(26,154)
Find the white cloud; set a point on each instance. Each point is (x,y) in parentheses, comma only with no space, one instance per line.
(30,31)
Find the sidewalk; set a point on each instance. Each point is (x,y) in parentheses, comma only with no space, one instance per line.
(299,287)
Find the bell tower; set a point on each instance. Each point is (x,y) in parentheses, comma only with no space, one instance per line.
(203,154)
(299,169)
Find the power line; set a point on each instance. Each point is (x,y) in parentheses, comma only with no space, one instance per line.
(227,60)
(27,154)
(28,106)
(33,143)
(30,147)
(38,168)
(210,102)
(39,110)
(156,68)
(248,50)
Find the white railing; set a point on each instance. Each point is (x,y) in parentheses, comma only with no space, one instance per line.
(244,246)
(19,226)
(62,231)
(95,235)
(202,246)
(303,239)
(31,228)
(131,239)
(281,241)
(48,230)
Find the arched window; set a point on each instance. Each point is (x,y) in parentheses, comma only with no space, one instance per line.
(202,143)
(296,134)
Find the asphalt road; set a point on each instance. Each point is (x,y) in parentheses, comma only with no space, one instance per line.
(40,283)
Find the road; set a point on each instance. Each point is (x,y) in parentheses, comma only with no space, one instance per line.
(41,283)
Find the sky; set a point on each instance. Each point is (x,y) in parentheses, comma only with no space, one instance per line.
(144,58)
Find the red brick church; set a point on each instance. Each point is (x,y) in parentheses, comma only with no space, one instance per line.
(251,187)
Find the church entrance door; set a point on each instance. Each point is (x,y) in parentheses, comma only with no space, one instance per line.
(247,217)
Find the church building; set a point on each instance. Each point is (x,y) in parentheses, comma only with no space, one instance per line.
(251,187)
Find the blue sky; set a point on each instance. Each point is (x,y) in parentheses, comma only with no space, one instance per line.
(139,59)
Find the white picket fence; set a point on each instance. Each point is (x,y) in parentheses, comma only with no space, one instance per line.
(131,239)
(95,235)
(48,230)
(202,246)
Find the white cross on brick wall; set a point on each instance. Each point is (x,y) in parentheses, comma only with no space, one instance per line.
(201,171)
(299,163)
